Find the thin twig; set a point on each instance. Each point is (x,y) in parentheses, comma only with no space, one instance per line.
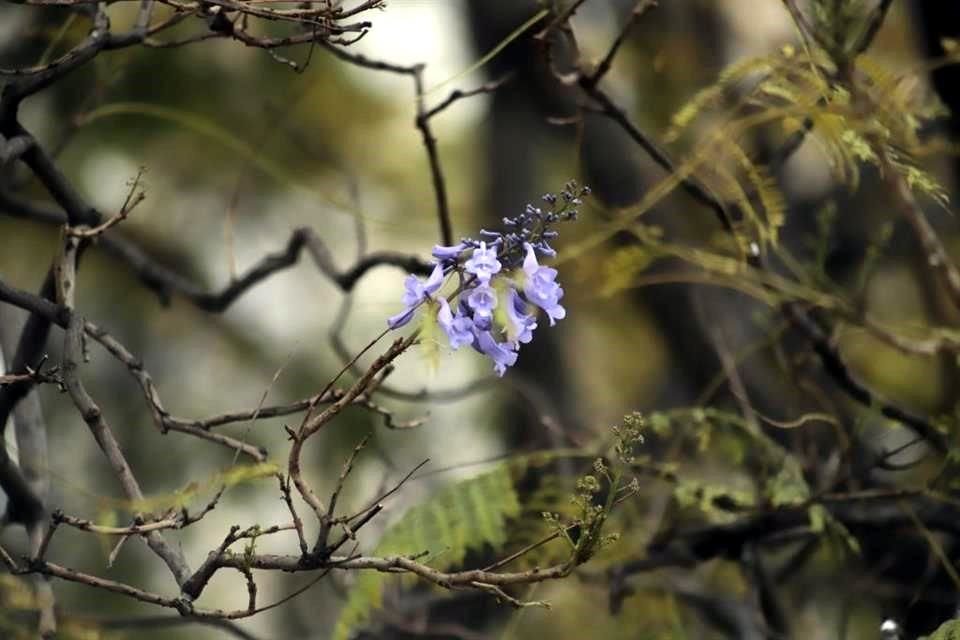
(330,517)
(436,169)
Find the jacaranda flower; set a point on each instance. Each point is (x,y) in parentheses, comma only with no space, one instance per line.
(483,300)
(443,252)
(483,262)
(541,288)
(459,328)
(501,355)
(501,284)
(415,293)
(520,325)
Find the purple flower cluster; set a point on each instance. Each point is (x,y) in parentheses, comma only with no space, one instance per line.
(502,285)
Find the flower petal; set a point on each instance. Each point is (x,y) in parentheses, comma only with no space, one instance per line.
(400,319)
(444,252)
(435,281)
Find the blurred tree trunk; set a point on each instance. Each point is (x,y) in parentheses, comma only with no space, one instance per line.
(517,134)
(613,167)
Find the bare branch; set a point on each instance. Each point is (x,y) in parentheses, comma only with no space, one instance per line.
(638,11)
(8,561)
(330,517)
(835,367)
(133,530)
(91,413)
(313,424)
(297,522)
(436,170)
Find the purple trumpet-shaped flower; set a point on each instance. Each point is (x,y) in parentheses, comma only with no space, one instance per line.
(520,325)
(483,262)
(459,327)
(501,354)
(416,292)
(541,288)
(482,300)
(443,252)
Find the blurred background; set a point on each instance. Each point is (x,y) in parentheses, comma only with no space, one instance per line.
(238,151)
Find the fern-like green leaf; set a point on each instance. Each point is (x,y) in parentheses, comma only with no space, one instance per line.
(461,518)
(712,96)
(772,212)
(919,180)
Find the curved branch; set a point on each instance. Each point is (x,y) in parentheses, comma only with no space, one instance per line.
(837,369)
(165,282)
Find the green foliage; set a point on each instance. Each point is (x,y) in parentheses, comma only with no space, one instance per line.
(823,523)
(856,111)
(551,495)
(430,337)
(706,429)
(473,514)
(597,493)
(949,630)
(622,267)
(777,80)
(713,95)
(461,518)
(113,512)
(712,501)
(231,477)
(550,511)
(781,482)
